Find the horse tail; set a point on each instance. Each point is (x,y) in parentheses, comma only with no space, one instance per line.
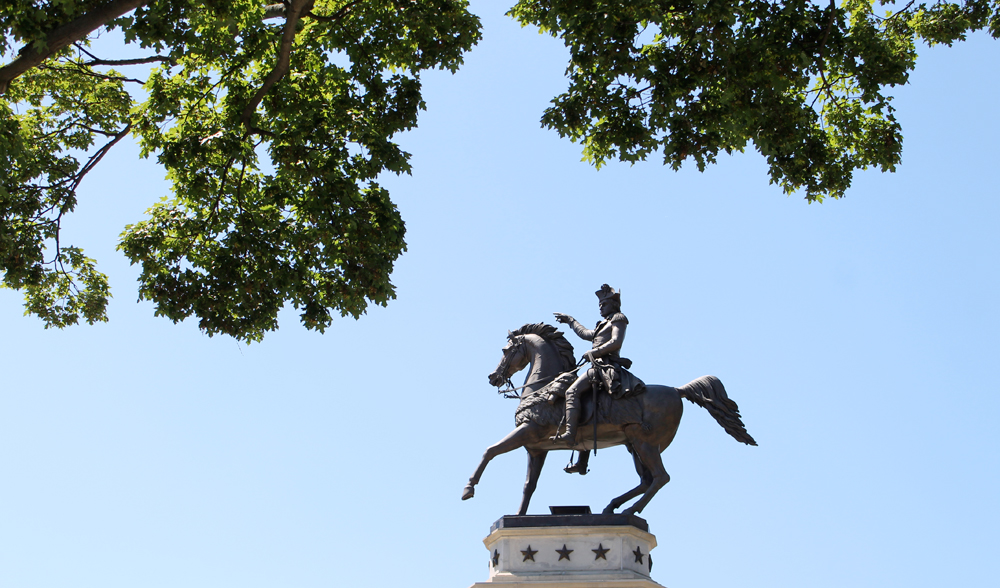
(709,393)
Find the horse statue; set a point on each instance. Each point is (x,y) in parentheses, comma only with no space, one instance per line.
(645,424)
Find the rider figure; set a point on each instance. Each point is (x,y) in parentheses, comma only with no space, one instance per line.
(607,366)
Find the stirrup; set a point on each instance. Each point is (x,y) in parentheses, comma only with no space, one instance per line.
(574,468)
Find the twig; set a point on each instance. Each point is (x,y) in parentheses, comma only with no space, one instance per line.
(901,11)
(222,188)
(95,60)
(96,157)
(93,74)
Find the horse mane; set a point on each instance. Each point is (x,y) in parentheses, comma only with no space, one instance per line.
(551,335)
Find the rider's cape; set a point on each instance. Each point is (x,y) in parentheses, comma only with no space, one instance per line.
(617,380)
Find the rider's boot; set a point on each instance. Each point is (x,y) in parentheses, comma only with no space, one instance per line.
(572,415)
(580,467)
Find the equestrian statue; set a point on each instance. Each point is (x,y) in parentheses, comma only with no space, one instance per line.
(604,406)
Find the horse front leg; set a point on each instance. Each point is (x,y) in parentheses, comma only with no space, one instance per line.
(516,438)
(536,459)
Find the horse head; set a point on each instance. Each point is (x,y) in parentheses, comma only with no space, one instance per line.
(539,344)
(515,358)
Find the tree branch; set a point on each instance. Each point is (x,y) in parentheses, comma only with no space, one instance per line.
(274,11)
(62,36)
(336,15)
(295,11)
(97,157)
(138,61)
(278,11)
(822,51)
(93,74)
(901,11)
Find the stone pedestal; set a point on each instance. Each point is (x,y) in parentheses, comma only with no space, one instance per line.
(570,551)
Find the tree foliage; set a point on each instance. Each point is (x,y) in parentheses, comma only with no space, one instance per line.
(272,132)
(805,83)
(273,123)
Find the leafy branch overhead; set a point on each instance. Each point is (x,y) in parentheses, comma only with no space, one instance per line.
(274,121)
(804,82)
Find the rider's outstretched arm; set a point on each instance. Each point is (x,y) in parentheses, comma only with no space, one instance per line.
(581,332)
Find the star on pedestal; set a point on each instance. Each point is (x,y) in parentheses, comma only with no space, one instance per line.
(638,554)
(529,553)
(496,558)
(600,551)
(564,553)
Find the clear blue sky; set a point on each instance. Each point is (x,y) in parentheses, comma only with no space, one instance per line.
(859,338)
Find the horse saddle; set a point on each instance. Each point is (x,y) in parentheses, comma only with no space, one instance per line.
(620,411)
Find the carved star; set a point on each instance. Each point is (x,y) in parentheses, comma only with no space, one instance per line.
(600,551)
(496,558)
(564,553)
(638,554)
(529,553)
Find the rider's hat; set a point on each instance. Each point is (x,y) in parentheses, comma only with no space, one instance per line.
(608,293)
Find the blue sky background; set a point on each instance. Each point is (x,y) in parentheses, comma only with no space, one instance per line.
(859,338)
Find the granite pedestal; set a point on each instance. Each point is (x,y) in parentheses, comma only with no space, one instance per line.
(570,551)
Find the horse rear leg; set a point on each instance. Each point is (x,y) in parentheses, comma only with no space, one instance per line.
(649,454)
(519,437)
(645,479)
(536,459)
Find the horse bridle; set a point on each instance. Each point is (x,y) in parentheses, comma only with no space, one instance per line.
(511,391)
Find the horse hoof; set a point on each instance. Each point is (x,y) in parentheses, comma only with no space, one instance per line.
(609,510)
(469,492)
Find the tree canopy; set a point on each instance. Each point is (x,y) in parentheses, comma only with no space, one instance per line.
(273,123)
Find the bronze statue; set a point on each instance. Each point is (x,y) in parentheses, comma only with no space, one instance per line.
(644,418)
